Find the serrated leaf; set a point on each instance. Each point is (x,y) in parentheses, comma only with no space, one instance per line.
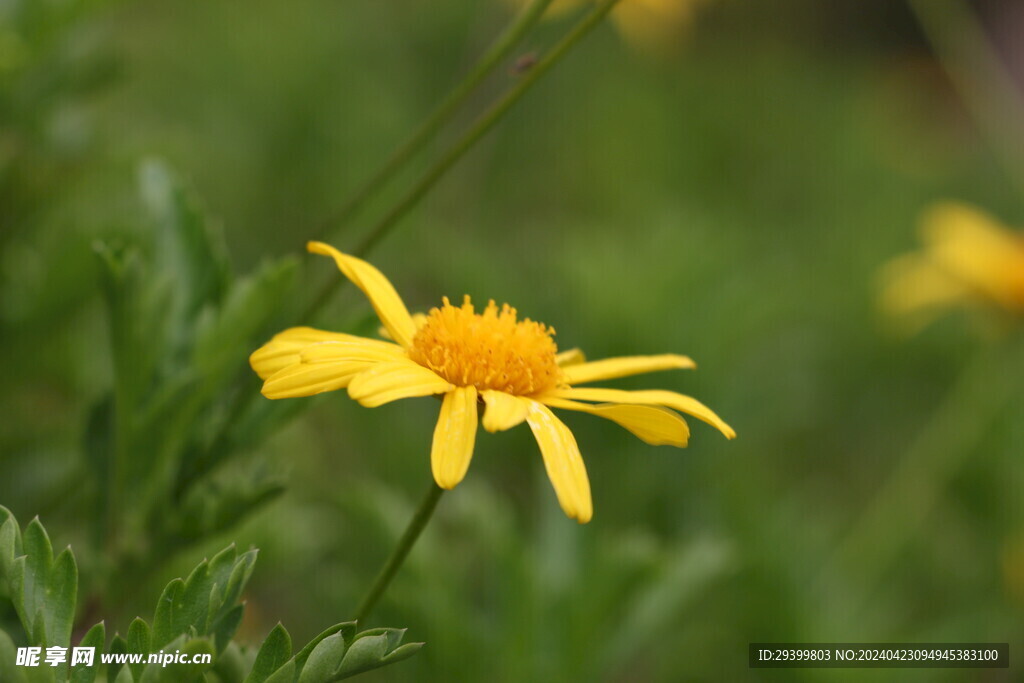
(95,638)
(324,660)
(274,652)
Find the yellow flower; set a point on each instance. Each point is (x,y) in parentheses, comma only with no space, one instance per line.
(510,367)
(650,24)
(969,258)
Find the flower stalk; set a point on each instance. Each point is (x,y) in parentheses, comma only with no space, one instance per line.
(481,127)
(412,532)
(498,51)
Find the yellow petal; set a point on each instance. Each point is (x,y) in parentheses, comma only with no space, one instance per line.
(652,424)
(913,284)
(382,295)
(655,25)
(504,411)
(386,382)
(669,399)
(570,357)
(301,379)
(974,247)
(356,349)
(418,320)
(285,348)
(610,368)
(562,461)
(454,436)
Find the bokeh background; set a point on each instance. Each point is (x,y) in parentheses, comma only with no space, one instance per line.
(731,199)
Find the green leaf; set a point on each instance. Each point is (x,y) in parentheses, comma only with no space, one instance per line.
(8,657)
(158,672)
(10,544)
(286,674)
(124,675)
(218,505)
(230,665)
(118,645)
(347,629)
(324,660)
(95,638)
(373,649)
(168,614)
(38,562)
(188,247)
(139,640)
(240,575)
(273,654)
(224,337)
(61,597)
(59,603)
(223,630)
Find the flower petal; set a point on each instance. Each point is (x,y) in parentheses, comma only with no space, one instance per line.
(302,379)
(504,411)
(570,357)
(386,382)
(562,461)
(285,347)
(610,368)
(651,424)
(974,247)
(454,436)
(382,295)
(418,320)
(356,349)
(669,399)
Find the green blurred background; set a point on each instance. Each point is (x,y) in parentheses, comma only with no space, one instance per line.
(731,201)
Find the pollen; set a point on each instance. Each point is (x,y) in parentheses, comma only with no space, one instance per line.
(488,350)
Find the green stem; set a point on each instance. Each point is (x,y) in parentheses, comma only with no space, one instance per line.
(494,56)
(482,125)
(412,532)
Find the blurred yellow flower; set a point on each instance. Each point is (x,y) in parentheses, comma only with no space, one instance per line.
(648,24)
(510,367)
(969,258)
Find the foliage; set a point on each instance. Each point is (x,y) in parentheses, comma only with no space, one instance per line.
(194,616)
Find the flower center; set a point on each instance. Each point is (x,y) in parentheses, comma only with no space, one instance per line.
(489,350)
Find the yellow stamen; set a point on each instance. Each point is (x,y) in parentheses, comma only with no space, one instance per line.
(489,350)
